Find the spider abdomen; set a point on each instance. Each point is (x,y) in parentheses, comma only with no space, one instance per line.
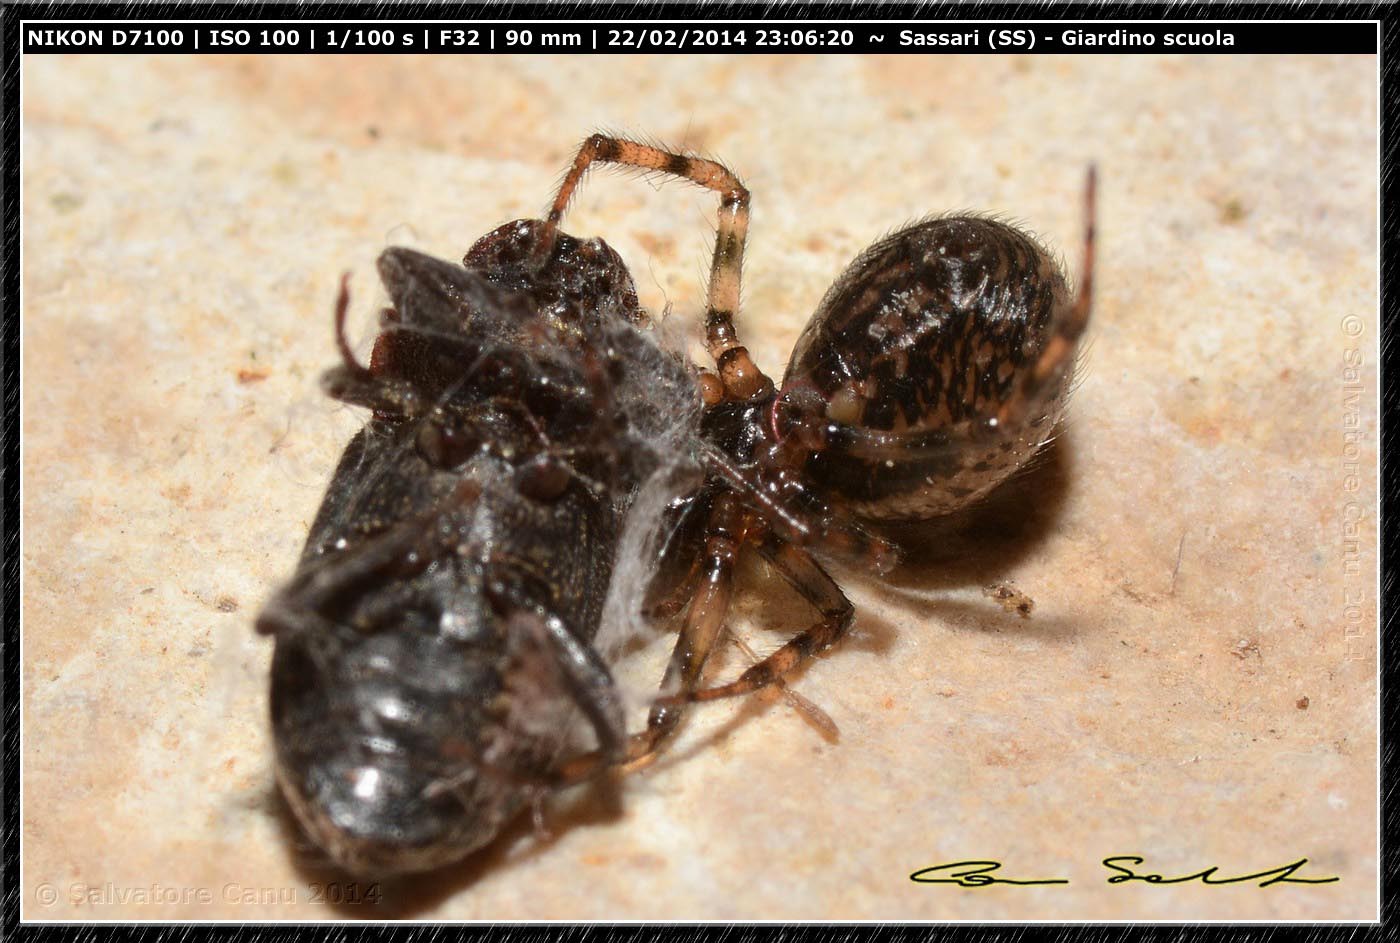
(922,368)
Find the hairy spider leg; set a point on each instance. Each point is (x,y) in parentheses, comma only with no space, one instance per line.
(806,575)
(819,718)
(747,513)
(665,601)
(733,523)
(1060,350)
(741,378)
(727,529)
(837,534)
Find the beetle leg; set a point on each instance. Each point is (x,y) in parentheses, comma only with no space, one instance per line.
(741,377)
(403,550)
(538,642)
(805,575)
(353,383)
(586,678)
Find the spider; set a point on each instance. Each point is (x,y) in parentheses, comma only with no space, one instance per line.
(936,365)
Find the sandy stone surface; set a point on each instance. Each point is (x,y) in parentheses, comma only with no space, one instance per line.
(1196,684)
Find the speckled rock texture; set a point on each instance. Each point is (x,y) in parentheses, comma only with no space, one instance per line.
(1196,684)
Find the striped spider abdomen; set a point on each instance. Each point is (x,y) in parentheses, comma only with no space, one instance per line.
(934,368)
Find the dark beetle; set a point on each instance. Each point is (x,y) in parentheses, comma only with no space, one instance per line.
(437,636)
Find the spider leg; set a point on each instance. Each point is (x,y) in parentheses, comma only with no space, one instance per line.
(704,619)
(835,533)
(741,378)
(731,525)
(665,603)
(806,575)
(678,571)
(1059,352)
(725,533)
(817,717)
